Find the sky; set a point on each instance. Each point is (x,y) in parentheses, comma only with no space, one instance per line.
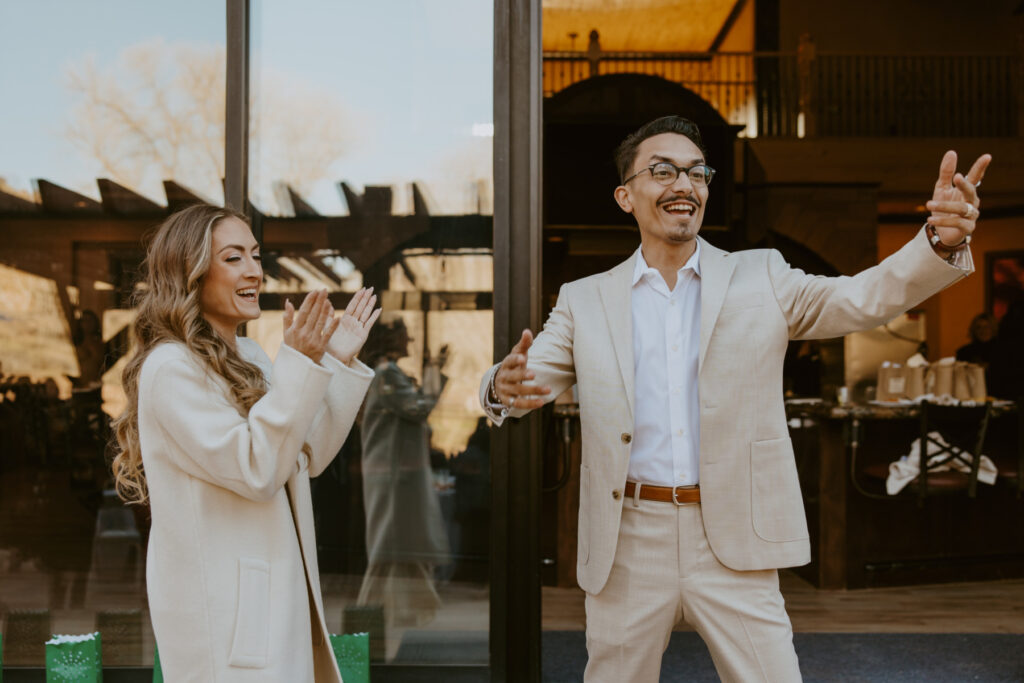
(413,78)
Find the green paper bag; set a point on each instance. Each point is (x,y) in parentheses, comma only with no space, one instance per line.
(158,673)
(74,659)
(352,651)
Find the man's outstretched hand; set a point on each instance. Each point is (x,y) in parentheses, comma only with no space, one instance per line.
(955,202)
(509,387)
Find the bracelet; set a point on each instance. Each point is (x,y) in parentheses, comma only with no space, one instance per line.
(936,241)
(492,393)
(492,396)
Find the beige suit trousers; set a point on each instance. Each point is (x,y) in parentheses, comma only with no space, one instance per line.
(663,571)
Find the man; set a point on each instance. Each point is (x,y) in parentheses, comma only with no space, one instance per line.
(689,498)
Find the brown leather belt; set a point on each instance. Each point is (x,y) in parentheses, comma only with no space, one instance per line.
(680,495)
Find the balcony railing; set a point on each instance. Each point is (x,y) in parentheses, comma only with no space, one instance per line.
(805,93)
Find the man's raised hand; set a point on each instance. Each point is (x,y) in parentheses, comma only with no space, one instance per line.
(955,202)
(509,387)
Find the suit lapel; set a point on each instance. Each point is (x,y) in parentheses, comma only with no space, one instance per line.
(617,299)
(715,272)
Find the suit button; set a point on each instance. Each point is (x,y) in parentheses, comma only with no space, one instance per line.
(616,494)
(626,437)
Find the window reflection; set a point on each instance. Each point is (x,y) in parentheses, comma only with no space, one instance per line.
(370,167)
(121,122)
(397,197)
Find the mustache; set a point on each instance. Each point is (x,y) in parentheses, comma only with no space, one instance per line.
(676,198)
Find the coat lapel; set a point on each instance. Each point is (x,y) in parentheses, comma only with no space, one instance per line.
(617,299)
(715,272)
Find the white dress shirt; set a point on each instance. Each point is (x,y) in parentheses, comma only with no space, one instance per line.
(666,340)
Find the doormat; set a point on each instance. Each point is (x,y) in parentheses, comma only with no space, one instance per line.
(827,657)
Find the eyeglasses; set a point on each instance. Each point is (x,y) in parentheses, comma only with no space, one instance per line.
(666,173)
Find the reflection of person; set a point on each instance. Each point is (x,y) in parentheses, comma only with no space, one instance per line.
(91,352)
(223,442)
(472,469)
(405,534)
(982,333)
(677,356)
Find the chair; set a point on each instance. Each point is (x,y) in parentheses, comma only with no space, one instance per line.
(963,429)
(1011,469)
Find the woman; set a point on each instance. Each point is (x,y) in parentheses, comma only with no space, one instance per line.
(222,443)
(983,341)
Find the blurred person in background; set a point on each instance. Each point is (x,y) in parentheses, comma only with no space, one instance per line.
(982,333)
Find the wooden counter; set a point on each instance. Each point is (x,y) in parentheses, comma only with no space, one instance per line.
(857,541)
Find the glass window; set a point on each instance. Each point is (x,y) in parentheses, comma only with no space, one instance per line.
(113,114)
(370,160)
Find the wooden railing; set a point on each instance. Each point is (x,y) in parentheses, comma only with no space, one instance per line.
(803,94)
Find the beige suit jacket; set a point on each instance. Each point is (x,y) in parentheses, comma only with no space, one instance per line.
(752,304)
(234,589)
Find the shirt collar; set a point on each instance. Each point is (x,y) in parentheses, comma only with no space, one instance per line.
(641,268)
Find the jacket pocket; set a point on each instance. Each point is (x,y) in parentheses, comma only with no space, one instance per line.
(252,615)
(776,505)
(583,532)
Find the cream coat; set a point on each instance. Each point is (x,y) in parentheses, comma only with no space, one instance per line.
(752,304)
(234,589)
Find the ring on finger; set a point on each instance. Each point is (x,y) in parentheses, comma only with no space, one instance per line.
(512,402)
(971,212)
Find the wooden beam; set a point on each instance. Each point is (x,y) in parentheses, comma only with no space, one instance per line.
(118,199)
(300,207)
(180,197)
(12,203)
(57,199)
(730,21)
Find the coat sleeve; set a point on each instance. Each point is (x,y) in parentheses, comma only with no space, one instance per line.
(251,455)
(817,307)
(337,413)
(550,357)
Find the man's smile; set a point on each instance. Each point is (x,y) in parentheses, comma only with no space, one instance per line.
(680,207)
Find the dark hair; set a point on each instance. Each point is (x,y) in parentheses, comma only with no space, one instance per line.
(625,153)
(977,321)
(383,340)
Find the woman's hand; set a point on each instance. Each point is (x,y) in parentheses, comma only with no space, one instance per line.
(356,322)
(310,328)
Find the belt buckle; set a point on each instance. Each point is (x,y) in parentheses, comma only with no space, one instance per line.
(675,499)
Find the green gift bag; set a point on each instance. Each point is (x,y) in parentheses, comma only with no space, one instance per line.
(74,659)
(352,650)
(158,673)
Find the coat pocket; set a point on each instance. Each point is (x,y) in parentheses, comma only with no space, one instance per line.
(252,615)
(583,533)
(776,504)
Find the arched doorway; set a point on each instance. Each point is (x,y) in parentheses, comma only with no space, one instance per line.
(582,126)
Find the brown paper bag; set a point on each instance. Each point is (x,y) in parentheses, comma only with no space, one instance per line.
(969,382)
(891,383)
(943,380)
(916,381)
(896,382)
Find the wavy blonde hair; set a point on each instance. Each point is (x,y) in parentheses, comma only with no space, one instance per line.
(167,310)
